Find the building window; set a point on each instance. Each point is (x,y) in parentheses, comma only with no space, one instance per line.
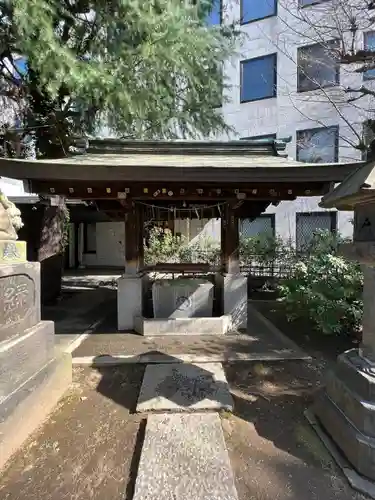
(264,225)
(318,145)
(254,10)
(305,3)
(259,137)
(368,139)
(308,223)
(369,44)
(89,238)
(217,89)
(318,66)
(258,78)
(215,15)
(20,64)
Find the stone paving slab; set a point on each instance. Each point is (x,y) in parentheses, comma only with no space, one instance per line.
(184,387)
(184,457)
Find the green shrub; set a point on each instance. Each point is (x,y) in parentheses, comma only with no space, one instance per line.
(263,248)
(162,246)
(325,288)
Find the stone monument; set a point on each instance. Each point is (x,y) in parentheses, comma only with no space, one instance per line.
(346,408)
(32,376)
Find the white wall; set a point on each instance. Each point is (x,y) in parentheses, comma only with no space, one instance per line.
(13,187)
(285,217)
(110,246)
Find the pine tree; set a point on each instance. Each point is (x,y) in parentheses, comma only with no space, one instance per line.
(148,69)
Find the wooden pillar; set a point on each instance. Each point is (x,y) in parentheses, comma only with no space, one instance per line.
(134,240)
(230,241)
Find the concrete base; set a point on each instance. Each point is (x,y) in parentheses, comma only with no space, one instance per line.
(346,410)
(184,387)
(27,407)
(183,326)
(235,299)
(129,300)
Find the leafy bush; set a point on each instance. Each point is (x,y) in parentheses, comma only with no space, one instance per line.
(163,246)
(263,248)
(325,288)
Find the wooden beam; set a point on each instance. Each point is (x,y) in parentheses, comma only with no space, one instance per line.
(173,193)
(230,241)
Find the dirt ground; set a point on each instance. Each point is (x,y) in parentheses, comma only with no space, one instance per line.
(275,454)
(87,449)
(300,331)
(90,446)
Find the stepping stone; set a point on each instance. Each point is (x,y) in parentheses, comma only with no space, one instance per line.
(184,457)
(184,387)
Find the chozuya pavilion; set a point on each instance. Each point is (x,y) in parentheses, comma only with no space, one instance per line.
(226,180)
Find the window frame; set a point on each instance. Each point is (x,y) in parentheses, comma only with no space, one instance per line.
(271,217)
(336,128)
(85,238)
(316,2)
(318,213)
(220,15)
(365,34)
(317,87)
(244,23)
(242,64)
(365,154)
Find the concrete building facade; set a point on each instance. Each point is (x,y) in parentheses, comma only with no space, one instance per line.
(277,88)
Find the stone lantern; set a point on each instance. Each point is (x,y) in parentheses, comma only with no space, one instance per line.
(346,408)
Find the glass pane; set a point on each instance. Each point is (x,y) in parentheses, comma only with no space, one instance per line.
(257,9)
(21,66)
(258,78)
(308,224)
(369,45)
(259,226)
(317,66)
(317,145)
(214,17)
(309,2)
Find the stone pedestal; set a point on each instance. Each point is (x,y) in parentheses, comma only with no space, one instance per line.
(235,299)
(346,408)
(32,379)
(129,300)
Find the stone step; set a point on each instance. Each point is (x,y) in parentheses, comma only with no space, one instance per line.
(360,413)
(358,448)
(354,371)
(182,326)
(184,387)
(184,457)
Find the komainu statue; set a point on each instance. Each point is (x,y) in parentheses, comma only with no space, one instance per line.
(10,219)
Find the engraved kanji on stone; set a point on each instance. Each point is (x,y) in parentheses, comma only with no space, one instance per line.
(10,251)
(17,298)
